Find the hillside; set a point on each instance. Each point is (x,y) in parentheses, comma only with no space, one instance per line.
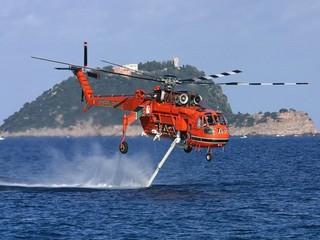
(58,111)
(60,106)
(284,122)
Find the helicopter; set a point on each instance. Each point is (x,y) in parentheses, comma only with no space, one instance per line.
(165,112)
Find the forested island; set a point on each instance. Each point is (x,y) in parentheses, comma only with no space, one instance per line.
(58,111)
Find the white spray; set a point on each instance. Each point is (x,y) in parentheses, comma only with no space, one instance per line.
(93,169)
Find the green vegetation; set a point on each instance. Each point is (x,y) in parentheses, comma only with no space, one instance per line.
(242,120)
(283,110)
(247,120)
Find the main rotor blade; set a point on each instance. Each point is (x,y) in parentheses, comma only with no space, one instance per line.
(54,61)
(263,83)
(212,76)
(219,75)
(62,68)
(73,66)
(126,75)
(136,71)
(198,82)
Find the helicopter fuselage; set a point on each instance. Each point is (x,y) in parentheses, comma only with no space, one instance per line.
(199,127)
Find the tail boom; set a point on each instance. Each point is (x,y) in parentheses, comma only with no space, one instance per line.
(124,102)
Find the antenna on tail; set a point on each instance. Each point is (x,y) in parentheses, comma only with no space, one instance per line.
(85,63)
(85,54)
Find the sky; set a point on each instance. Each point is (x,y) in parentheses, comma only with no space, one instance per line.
(271,41)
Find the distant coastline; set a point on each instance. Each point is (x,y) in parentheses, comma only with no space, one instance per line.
(136,130)
(132,132)
(80,130)
(282,123)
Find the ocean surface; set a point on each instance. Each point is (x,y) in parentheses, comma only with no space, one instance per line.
(82,188)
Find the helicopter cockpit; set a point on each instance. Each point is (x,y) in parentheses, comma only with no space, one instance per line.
(211,119)
(215,118)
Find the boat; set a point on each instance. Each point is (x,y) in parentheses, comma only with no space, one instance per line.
(1,138)
(244,136)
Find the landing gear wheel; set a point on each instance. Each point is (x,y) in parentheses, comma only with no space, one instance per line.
(209,157)
(187,149)
(123,147)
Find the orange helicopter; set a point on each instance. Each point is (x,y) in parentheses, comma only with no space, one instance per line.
(177,115)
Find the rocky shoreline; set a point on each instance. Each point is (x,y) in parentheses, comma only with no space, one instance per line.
(80,130)
(285,123)
(132,132)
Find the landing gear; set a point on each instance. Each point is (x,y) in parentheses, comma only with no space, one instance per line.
(209,157)
(187,149)
(123,147)
(126,121)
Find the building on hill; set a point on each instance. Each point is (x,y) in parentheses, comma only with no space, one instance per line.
(176,62)
(126,69)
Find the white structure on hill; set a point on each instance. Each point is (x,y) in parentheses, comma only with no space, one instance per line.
(132,66)
(176,62)
(126,69)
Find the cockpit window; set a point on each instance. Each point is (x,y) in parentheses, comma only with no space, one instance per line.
(214,119)
(222,120)
(210,120)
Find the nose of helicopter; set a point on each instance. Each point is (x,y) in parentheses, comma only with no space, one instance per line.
(213,136)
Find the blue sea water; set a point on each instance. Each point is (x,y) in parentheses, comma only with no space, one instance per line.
(81,188)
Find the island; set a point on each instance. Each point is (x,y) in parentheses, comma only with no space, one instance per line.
(59,110)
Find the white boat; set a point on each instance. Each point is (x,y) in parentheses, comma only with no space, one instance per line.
(244,136)
(1,138)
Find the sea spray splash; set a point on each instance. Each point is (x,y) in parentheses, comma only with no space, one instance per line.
(95,169)
(89,167)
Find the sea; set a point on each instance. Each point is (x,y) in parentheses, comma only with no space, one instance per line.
(83,188)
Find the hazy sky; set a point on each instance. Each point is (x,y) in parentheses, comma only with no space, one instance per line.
(270,40)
